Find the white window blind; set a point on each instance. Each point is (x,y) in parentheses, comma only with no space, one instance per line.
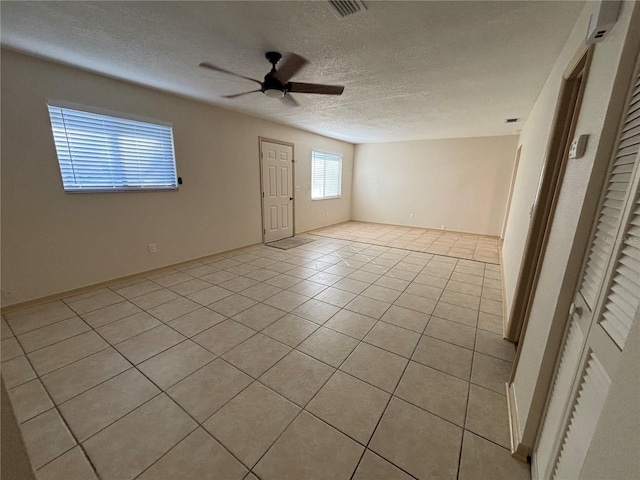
(99,153)
(326,175)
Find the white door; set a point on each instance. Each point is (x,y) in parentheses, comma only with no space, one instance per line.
(277,191)
(604,306)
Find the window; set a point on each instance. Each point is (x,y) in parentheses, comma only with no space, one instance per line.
(326,175)
(100,153)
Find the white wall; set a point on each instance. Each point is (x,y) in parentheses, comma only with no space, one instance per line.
(563,257)
(462,183)
(53,242)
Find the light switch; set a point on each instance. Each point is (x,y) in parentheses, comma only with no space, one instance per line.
(578,146)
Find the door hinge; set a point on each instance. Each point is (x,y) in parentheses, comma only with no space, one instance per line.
(264,232)
(262,194)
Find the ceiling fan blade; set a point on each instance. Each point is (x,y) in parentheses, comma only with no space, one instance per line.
(240,94)
(291,65)
(218,69)
(290,101)
(298,87)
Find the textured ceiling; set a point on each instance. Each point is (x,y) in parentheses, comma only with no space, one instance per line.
(412,70)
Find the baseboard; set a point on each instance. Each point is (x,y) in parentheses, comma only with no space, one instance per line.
(505,314)
(518,450)
(79,291)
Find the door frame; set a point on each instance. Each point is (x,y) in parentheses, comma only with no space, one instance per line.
(563,128)
(293,182)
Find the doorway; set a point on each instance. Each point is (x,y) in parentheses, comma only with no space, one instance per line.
(276,189)
(562,131)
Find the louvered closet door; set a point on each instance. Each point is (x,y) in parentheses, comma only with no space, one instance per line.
(604,306)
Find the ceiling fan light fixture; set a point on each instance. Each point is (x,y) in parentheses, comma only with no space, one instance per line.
(273,93)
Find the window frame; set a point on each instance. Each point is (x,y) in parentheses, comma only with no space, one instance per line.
(118,116)
(338,155)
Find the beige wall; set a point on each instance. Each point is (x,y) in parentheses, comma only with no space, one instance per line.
(462,183)
(54,242)
(573,216)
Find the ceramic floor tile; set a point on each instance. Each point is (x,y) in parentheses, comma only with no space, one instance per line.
(172,365)
(238,284)
(27,319)
(51,334)
(487,415)
(65,352)
(388,281)
(494,345)
(297,377)
(286,300)
(424,279)
(283,281)
(350,323)
(29,399)
(261,292)
(80,376)
(381,293)
(232,305)
(251,422)
(335,296)
(366,277)
(394,339)
(441,394)
(291,330)
(126,448)
(426,291)
(217,276)
(189,287)
(350,405)
(375,366)
(483,459)
(262,274)
(202,393)
(456,313)
(46,437)
(310,449)
(491,306)
(328,346)
(223,336)
(418,442)
(141,347)
(92,301)
(172,279)
(492,294)
(368,306)
(490,372)
(490,323)
(308,288)
(173,309)
(209,295)
(451,332)
(10,348)
(137,289)
(460,299)
(110,314)
(466,288)
(466,278)
(316,311)
(374,467)
(406,318)
(256,355)
(352,285)
(195,322)
(444,356)
(97,408)
(128,327)
(73,464)
(197,456)
(259,316)
(414,302)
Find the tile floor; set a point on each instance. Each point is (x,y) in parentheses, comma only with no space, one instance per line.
(482,248)
(334,360)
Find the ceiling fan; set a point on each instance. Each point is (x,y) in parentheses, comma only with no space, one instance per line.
(276,83)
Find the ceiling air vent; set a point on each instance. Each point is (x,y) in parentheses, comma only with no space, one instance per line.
(511,120)
(344,8)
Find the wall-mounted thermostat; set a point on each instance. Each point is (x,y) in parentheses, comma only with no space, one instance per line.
(578,146)
(602,20)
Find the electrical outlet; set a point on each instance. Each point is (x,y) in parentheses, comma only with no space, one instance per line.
(326,214)
(411,215)
(443,227)
(578,147)
(153,248)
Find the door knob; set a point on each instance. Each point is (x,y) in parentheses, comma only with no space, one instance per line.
(290,198)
